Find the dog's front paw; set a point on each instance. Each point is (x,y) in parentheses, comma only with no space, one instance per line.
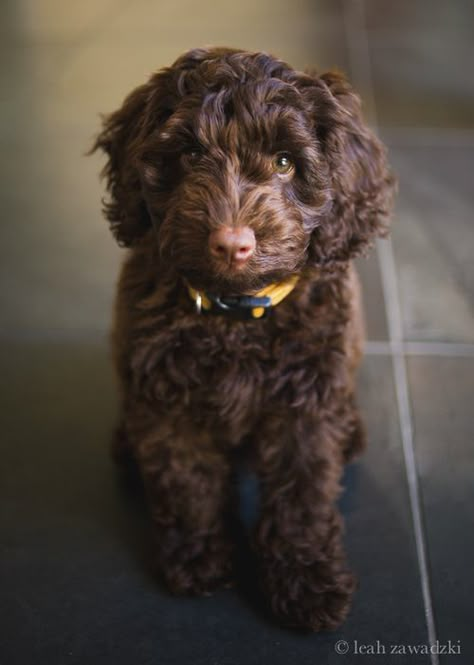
(198,567)
(312,597)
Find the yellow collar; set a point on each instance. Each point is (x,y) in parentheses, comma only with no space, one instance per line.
(274,292)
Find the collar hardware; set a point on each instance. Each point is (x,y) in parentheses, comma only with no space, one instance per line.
(243,307)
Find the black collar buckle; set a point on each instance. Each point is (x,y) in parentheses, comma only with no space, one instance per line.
(238,307)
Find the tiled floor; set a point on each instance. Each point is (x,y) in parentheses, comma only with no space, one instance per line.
(76,587)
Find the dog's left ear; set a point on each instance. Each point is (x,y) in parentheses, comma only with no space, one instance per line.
(361,183)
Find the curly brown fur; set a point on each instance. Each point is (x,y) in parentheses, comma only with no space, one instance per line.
(189,152)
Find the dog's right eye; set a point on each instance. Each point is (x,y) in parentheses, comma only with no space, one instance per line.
(191,157)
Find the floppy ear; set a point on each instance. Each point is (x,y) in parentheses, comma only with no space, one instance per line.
(125,132)
(362,186)
(122,134)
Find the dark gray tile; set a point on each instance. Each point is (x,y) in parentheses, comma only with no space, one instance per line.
(417,53)
(75,543)
(442,390)
(433,241)
(389,606)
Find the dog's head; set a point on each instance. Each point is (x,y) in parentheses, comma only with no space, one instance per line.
(246,169)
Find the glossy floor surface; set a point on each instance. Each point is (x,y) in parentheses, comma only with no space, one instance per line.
(74,564)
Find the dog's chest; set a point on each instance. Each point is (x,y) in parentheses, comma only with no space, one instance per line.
(227,376)
(217,367)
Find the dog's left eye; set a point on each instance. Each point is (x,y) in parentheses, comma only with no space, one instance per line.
(282,163)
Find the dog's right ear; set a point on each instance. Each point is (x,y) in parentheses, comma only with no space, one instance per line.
(123,132)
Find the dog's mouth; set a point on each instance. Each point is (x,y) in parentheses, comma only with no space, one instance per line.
(234,279)
(232,260)
(235,283)
(271,260)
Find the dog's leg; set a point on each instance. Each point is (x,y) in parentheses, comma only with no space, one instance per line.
(187,481)
(298,537)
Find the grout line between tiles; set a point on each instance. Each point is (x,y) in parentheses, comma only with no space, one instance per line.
(376,348)
(390,288)
(359,58)
(438,349)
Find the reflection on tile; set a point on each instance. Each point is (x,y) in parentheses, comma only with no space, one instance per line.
(442,390)
(58,261)
(76,543)
(372,295)
(433,240)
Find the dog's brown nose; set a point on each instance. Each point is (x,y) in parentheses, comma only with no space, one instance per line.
(232,244)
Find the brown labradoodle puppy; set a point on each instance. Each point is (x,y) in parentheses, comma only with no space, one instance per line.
(243,189)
